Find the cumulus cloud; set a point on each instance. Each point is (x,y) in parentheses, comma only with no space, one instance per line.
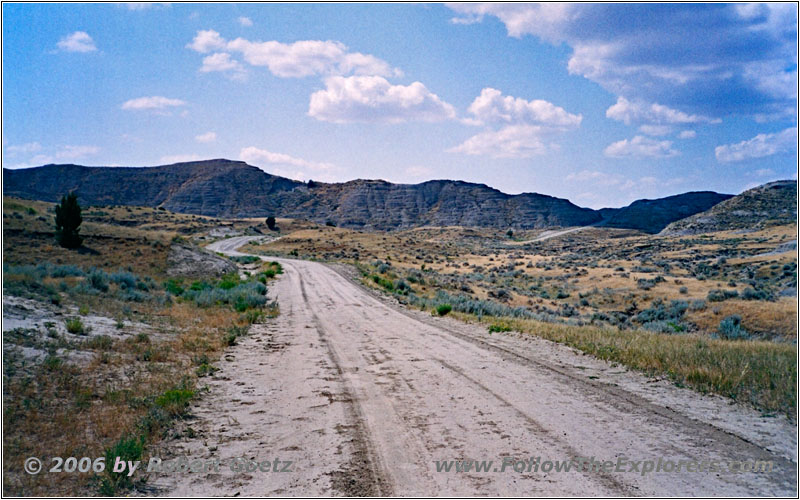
(492,106)
(759,146)
(512,141)
(711,59)
(640,147)
(374,99)
(152,103)
(295,60)
(687,134)
(245,21)
(206,41)
(79,41)
(526,127)
(639,111)
(221,61)
(207,137)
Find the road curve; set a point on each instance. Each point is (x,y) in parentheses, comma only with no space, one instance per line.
(364,397)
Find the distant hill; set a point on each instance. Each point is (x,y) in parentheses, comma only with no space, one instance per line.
(771,204)
(651,216)
(225,188)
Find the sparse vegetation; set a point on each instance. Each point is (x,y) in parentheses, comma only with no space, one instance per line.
(80,391)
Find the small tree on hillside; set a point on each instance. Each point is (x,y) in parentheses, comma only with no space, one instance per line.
(271,223)
(68,222)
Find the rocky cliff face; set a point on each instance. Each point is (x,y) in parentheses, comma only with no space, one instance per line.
(226,188)
(772,204)
(216,187)
(383,205)
(651,216)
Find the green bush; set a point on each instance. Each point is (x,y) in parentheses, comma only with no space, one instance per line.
(175,401)
(443,309)
(173,286)
(495,328)
(128,448)
(75,326)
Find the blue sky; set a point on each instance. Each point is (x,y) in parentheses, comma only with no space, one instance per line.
(598,103)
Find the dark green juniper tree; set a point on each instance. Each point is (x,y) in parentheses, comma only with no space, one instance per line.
(68,222)
(271,223)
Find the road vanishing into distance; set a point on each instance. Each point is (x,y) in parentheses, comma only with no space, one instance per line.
(364,396)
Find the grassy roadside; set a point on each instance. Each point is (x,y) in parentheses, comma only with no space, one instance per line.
(760,373)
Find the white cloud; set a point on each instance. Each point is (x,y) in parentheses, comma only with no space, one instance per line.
(152,103)
(169,159)
(687,134)
(261,157)
(651,113)
(295,60)
(206,41)
(711,58)
(79,41)
(759,146)
(512,141)
(492,106)
(30,147)
(221,61)
(640,147)
(374,99)
(245,21)
(207,137)
(527,126)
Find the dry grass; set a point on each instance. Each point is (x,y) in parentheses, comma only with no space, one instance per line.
(763,374)
(771,319)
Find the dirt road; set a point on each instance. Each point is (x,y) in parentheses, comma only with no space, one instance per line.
(546,235)
(364,396)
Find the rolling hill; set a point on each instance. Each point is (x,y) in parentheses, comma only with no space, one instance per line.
(226,188)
